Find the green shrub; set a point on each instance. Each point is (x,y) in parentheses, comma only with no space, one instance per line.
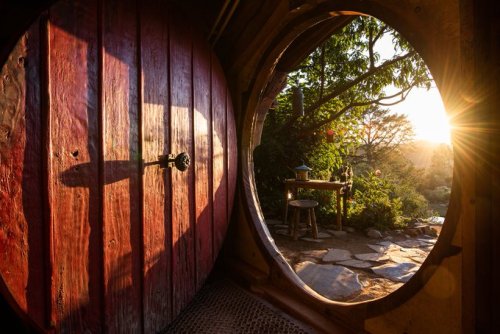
(374,204)
(438,194)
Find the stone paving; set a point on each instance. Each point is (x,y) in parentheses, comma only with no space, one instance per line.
(345,275)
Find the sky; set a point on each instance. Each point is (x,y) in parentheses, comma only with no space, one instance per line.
(426,112)
(423,107)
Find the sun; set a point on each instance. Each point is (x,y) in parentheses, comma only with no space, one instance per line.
(425,110)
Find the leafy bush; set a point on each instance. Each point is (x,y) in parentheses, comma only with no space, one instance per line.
(438,194)
(374,204)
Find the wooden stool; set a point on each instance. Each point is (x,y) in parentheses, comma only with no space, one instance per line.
(299,204)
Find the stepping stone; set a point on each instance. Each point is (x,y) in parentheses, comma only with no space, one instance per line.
(386,244)
(355,264)
(338,234)
(397,258)
(376,257)
(273,222)
(323,235)
(401,272)
(331,281)
(349,229)
(414,252)
(335,255)
(374,234)
(377,248)
(410,243)
(428,241)
(311,239)
(317,253)
(418,259)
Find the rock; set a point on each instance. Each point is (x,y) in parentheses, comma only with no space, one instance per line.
(388,245)
(436,220)
(316,253)
(376,257)
(418,259)
(389,237)
(331,281)
(428,241)
(323,235)
(334,255)
(374,234)
(405,254)
(410,243)
(377,248)
(337,234)
(349,229)
(414,252)
(413,232)
(429,230)
(355,264)
(401,272)
(311,239)
(398,258)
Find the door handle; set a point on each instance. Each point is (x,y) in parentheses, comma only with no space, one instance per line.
(181,161)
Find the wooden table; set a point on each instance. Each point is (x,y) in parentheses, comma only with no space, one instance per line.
(292,186)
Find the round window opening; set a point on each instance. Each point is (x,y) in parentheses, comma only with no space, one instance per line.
(354,166)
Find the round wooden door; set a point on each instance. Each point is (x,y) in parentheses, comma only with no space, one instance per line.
(95,234)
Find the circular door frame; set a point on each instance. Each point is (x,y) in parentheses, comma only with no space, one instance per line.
(438,51)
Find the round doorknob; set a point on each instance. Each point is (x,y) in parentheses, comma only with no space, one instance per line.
(182,161)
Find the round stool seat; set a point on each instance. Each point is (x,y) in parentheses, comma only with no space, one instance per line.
(303,203)
(308,205)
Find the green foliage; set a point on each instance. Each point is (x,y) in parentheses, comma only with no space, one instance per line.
(439,174)
(374,204)
(344,85)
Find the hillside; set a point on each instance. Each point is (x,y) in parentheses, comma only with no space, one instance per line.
(420,152)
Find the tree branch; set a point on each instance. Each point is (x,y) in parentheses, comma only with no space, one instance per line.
(343,88)
(339,113)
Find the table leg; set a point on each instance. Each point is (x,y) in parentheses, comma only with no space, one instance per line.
(296,224)
(339,212)
(285,219)
(313,223)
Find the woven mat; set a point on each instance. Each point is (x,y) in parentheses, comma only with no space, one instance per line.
(222,307)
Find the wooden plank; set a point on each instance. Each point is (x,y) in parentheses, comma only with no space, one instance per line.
(21,212)
(157,196)
(121,192)
(232,155)
(202,160)
(73,167)
(183,257)
(219,155)
(33,184)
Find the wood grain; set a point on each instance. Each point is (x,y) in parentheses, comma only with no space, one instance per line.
(219,156)
(21,218)
(121,196)
(232,155)
(157,236)
(202,160)
(183,251)
(89,101)
(73,167)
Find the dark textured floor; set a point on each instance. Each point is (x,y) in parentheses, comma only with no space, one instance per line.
(222,307)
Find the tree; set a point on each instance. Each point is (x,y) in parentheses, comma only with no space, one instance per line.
(347,73)
(381,133)
(342,80)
